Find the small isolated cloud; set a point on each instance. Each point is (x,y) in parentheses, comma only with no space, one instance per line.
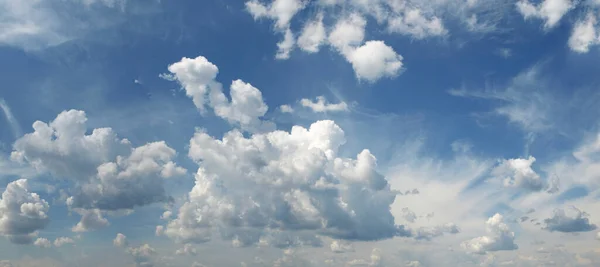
(286,109)
(61,241)
(22,213)
(340,246)
(551,11)
(375,60)
(187,249)
(322,105)
(120,241)
(499,237)
(584,34)
(143,255)
(246,108)
(42,242)
(518,173)
(568,221)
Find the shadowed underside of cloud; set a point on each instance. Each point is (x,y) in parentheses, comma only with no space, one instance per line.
(568,221)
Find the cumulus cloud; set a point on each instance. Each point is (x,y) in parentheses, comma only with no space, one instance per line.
(375,60)
(61,241)
(286,109)
(120,240)
(90,220)
(284,180)
(322,105)
(428,233)
(340,246)
(22,213)
(246,108)
(313,35)
(187,249)
(143,255)
(551,11)
(42,242)
(568,221)
(584,34)
(499,237)
(518,173)
(108,173)
(413,23)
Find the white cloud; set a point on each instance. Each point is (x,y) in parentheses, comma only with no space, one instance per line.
(348,33)
(120,240)
(375,60)
(284,180)
(90,220)
(143,255)
(413,264)
(187,249)
(414,24)
(584,35)
(108,173)
(518,173)
(551,11)
(313,35)
(42,242)
(340,246)
(429,233)
(322,105)
(61,241)
(286,109)
(22,213)
(10,118)
(246,108)
(499,237)
(285,46)
(568,221)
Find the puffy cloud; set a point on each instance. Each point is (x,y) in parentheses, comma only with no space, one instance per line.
(322,105)
(348,32)
(568,221)
(340,246)
(61,241)
(286,109)
(375,60)
(280,180)
(518,173)
(197,77)
(90,220)
(499,237)
(42,242)
(187,249)
(120,240)
(108,173)
(22,213)
(551,11)
(142,255)
(428,233)
(584,35)
(313,35)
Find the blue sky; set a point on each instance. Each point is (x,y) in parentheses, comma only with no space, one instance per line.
(299,133)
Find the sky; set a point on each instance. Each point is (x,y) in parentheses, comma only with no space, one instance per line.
(295,133)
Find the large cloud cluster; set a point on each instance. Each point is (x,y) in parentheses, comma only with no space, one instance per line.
(108,173)
(499,237)
(284,181)
(22,213)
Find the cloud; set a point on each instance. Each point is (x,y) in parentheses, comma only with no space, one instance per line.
(551,11)
(499,237)
(61,241)
(10,118)
(518,173)
(143,255)
(42,242)
(428,233)
(313,35)
(286,109)
(120,240)
(246,108)
(284,180)
(108,173)
(322,105)
(375,60)
(340,246)
(22,213)
(90,220)
(413,23)
(568,221)
(187,249)
(36,24)
(408,215)
(584,34)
